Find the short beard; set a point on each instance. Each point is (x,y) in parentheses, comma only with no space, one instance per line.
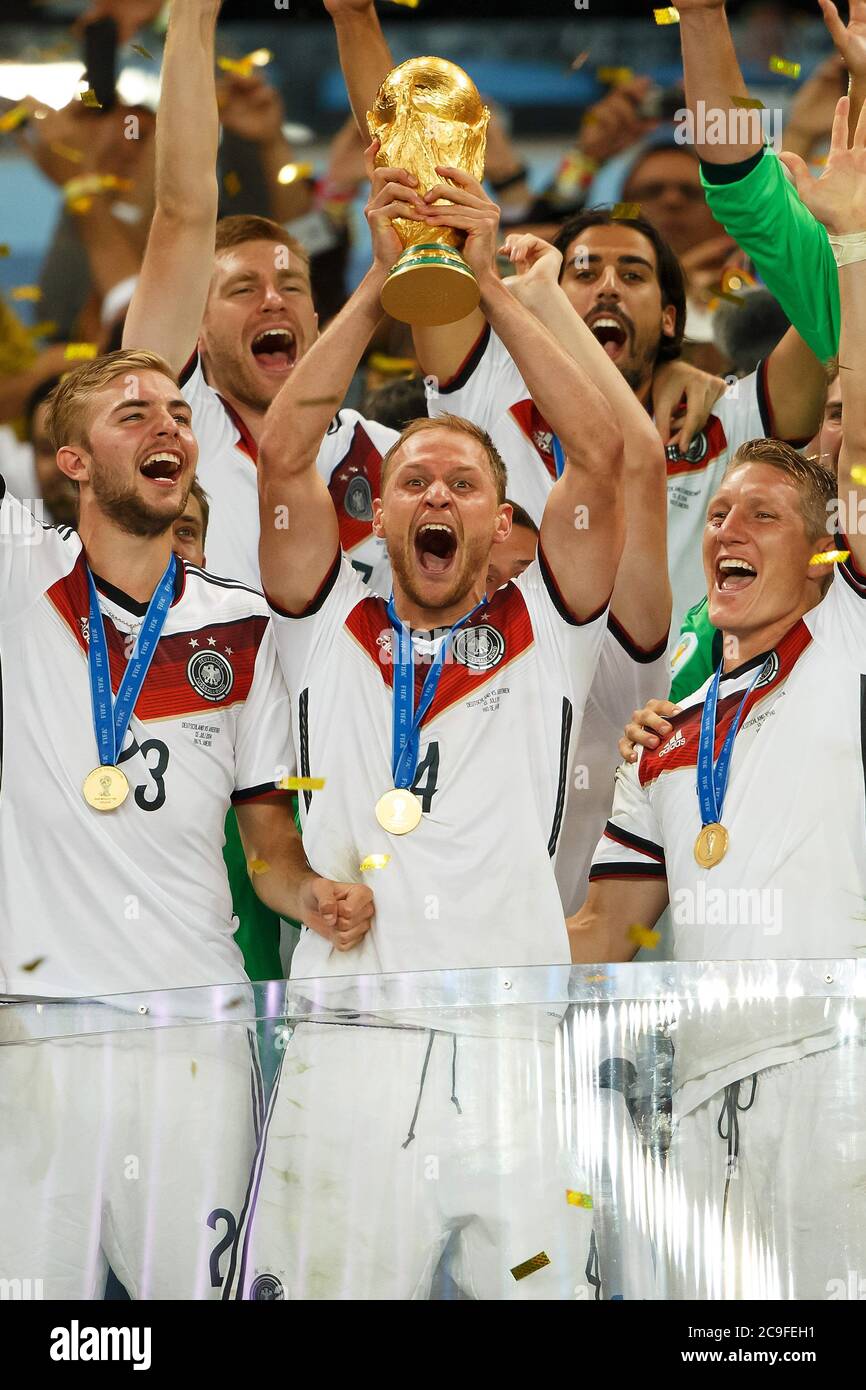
(125,508)
(242,387)
(638,376)
(474,564)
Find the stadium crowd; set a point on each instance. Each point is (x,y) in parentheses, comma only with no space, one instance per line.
(333,646)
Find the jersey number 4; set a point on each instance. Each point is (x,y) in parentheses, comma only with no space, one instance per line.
(427,776)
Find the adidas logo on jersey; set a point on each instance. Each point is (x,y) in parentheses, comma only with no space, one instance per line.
(678,741)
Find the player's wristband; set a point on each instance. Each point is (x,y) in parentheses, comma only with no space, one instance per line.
(510,181)
(849,248)
(79,193)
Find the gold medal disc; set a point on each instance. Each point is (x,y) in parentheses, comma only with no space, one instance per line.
(711,846)
(398,811)
(105,788)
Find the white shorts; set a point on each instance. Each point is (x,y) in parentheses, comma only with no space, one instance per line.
(128,1148)
(793,1166)
(382,1145)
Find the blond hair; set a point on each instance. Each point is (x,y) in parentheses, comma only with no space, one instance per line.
(461,426)
(69,403)
(815,483)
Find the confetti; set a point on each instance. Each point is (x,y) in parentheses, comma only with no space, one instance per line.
(302,784)
(258,866)
(594,979)
(749,103)
(578,1199)
(89,98)
(410,4)
(67,152)
(375,861)
(614,77)
(530,1266)
(830,557)
(4,250)
(14,118)
(644,936)
(193,1068)
(80,351)
(26,292)
(625,211)
(719,292)
(858,474)
(322,400)
(290,173)
(260,57)
(243,67)
(579,60)
(784,67)
(670,15)
(33,965)
(46,329)
(232,184)
(137,48)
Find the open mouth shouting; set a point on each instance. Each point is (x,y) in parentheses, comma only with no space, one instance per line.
(275,349)
(163,467)
(734,574)
(611,331)
(435,547)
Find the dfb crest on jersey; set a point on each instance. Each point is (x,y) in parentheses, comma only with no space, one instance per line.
(358,500)
(769,671)
(697,450)
(480,648)
(266,1288)
(210,674)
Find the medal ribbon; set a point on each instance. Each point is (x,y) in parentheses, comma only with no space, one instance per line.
(558,455)
(713,780)
(111,717)
(406,722)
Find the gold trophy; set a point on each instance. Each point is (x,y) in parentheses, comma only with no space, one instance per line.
(428,112)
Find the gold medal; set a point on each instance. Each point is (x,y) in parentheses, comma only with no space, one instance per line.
(105,788)
(398,811)
(711,846)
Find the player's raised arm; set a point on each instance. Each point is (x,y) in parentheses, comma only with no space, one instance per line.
(364,54)
(299,531)
(641,600)
(582,528)
(713,78)
(169,300)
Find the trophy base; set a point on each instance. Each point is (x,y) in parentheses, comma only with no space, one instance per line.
(430,284)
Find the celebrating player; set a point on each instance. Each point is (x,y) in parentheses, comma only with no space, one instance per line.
(755,833)
(443,725)
(234,327)
(143,699)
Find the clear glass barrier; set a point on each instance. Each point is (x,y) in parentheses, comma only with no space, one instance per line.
(641,1131)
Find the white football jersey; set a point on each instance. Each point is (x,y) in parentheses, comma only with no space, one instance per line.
(137,898)
(473,885)
(349,460)
(489,390)
(793,881)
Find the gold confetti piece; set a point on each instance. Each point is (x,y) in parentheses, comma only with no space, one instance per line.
(89,98)
(322,400)
(80,205)
(594,979)
(237,65)
(46,329)
(80,351)
(33,965)
(784,67)
(137,48)
(193,1068)
(260,57)
(644,936)
(232,184)
(14,118)
(625,211)
(858,474)
(290,173)
(258,866)
(749,103)
(614,77)
(579,60)
(670,15)
(302,784)
(830,557)
(578,1199)
(719,292)
(67,152)
(4,250)
(530,1266)
(375,861)
(410,4)
(32,292)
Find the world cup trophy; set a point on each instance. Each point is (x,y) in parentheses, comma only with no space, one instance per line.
(428,112)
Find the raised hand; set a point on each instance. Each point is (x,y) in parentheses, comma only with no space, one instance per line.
(838,197)
(534,260)
(850,39)
(392,194)
(469,210)
(250,108)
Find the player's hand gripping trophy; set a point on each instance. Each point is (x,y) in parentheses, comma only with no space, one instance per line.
(428,112)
